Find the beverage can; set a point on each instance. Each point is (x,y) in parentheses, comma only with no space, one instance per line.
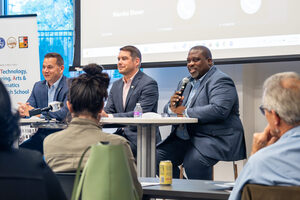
(165,172)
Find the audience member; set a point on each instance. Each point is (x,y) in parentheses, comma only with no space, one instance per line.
(85,101)
(275,151)
(134,87)
(211,96)
(23,173)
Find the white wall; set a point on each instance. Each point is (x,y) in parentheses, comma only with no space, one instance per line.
(248,78)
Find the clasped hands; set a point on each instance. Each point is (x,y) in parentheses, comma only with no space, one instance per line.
(24,109)
(174,100)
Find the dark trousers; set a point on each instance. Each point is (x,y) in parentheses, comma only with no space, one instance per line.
(178,151)
(37,140)
(121,132)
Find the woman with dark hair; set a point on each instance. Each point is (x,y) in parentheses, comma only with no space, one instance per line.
(62,150)
(23,173)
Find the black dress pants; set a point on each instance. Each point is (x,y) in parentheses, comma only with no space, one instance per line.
(178,151)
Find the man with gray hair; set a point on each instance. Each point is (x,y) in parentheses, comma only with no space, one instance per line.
(275,151)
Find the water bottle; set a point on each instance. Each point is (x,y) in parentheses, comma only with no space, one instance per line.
(138,111)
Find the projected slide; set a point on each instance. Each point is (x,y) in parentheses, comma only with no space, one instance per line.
(166,30)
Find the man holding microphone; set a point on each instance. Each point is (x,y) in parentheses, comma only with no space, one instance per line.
(211,96)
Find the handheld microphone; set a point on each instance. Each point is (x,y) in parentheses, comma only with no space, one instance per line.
(53,107)
(184,82)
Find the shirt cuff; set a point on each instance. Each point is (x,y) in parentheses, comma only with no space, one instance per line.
(185,113)
(170,111)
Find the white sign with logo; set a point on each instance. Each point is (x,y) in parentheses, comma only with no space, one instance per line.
(19,56)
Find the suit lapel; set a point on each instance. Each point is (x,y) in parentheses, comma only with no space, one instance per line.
(186,93)
(119,94)
(44,95)
(202,83)
(133,85)
(58,89)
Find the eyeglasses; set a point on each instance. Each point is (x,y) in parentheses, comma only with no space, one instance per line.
(262,109)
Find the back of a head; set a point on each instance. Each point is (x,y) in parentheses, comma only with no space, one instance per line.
(9,128)
(282,94)
(89,91)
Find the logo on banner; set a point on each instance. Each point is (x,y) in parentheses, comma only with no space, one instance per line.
(2,43)
(23,42)
(11,42)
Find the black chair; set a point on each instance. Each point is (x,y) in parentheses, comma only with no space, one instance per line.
(257,192)
(66,181)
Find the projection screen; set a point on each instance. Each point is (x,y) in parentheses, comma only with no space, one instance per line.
(164,30)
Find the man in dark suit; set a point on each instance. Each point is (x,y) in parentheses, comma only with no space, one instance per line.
(210,96)
(134,87)
(53,88)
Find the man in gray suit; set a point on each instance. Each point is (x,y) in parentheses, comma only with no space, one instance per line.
(210,96)
(134,87)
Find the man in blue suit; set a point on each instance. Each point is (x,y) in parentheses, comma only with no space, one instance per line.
(53,88)
(210,96)
(134,87)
